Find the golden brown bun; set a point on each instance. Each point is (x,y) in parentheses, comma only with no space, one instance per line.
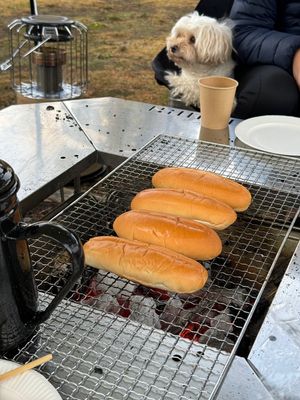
(146,264)
(183,235)
(208,183)
(187,204)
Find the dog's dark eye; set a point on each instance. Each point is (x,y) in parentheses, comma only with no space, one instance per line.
(192,39)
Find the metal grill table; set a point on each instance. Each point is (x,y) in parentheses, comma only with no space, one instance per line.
(156,353)
(118,128)
(276,348)
(45,147)
(58,141)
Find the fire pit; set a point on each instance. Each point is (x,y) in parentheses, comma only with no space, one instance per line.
(123,340)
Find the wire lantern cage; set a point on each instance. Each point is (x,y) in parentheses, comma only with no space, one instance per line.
(48,56)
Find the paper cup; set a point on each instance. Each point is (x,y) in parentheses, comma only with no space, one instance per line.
(216,101)
(220,136)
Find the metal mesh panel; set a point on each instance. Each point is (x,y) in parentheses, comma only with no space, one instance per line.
(113,339)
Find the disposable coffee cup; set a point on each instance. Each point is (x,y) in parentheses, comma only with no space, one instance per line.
(216,101)
(220,136)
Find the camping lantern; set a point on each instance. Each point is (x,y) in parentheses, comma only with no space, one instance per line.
(48,57)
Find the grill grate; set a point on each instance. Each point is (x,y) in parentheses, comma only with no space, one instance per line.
(113,339)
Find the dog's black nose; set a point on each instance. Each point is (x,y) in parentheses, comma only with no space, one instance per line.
(174,49)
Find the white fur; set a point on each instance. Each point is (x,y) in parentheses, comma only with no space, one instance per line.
(200,46)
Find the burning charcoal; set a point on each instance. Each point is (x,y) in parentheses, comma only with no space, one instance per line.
(177,315)
(221,326)
(237,296)
(220,343)
(216,339)
(93,290)
(222,322)
(124,307)
(104,302)
(203,318)
(171,313)
(204,307)
(217,298)
(198,296)
(109,283)
(192,332)
(157,294)
(208,309)
(143,310)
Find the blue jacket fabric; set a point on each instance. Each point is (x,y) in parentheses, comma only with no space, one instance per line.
(266,31)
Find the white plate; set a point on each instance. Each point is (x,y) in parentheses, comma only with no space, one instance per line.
(276,134)
(27,386)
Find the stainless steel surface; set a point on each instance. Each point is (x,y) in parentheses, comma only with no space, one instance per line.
(122,127)
(118,128)
(46,148)
(275,354)
(116,123)
(241,383)
(198,333)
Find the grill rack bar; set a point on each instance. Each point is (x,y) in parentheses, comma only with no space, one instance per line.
(176,365)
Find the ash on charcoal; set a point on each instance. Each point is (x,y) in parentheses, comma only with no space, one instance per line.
(217,334)
(105,302)
(142,309)
(207,317)
(171,318)
(109,283)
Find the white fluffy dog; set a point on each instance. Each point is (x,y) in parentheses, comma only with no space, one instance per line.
(200,46)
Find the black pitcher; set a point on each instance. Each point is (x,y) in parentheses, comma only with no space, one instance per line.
(19,315)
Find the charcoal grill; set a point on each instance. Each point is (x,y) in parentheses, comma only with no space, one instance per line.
(100,351)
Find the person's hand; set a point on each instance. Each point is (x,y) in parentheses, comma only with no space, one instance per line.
(296,67)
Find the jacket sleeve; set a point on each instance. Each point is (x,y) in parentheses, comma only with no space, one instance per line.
(256,39)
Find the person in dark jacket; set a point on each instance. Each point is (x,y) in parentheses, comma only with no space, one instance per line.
(267,45)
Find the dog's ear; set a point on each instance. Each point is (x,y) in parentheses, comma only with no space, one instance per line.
(214,43)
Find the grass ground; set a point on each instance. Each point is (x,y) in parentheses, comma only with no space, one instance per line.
(124,36)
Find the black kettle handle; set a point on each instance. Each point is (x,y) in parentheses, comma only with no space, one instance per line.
(69,241)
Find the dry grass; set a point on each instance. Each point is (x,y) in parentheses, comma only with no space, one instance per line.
(124,36)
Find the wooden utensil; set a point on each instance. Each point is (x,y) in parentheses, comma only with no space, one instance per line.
(25,367)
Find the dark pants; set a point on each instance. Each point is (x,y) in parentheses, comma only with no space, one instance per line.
(265,90)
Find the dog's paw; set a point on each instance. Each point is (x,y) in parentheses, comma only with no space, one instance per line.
(175,84)
(184,89)
(173,79)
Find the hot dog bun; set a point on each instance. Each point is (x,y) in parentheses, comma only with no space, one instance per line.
(187,204)
(185,236)
(207,183)
(146,264)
